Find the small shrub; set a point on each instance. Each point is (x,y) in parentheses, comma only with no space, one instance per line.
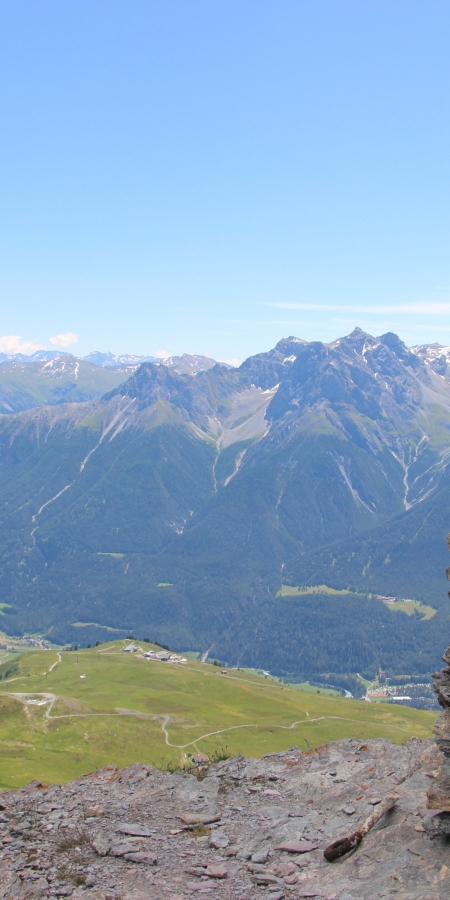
(68,873)
(75,838)
(26,811)
(220,755)
(200,831)
(172,765)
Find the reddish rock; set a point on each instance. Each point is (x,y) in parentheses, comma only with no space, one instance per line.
(285,869)
(297,846)
(216,872)
(199,818)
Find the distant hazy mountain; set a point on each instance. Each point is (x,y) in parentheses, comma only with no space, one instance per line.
(38,356)
(190,364)
(48,377)
(177,506)
(60,378)
(109,359)
(187,363)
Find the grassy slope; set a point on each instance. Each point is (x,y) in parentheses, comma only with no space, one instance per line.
(412,606)
(288,590)
(90,732)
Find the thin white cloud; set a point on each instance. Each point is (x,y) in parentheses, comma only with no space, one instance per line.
(425,308)
(434,328)
(163,354)
(64,340)
(13,343)
(232,362)
(304,323)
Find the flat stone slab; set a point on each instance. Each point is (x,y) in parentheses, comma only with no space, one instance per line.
(199,818)
(120,849)
(142,857)
(213,871)
(297,846)
(264,878)
(135,830)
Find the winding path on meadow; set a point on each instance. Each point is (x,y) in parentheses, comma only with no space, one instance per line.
(164,719)
(50,699)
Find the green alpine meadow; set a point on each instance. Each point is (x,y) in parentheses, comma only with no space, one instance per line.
(62,714)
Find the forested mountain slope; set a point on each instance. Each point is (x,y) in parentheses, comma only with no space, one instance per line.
(177,505)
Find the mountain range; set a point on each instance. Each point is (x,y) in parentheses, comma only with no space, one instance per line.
(259,514)
(49,378)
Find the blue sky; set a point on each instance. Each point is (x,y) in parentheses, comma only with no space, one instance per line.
(212,176)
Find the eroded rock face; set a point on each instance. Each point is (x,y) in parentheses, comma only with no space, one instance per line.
(438,797)
(147,839)
(442,682)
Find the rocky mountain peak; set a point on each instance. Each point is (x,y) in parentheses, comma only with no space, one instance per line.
(436,357)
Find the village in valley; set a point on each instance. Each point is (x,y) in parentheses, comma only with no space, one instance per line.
(19,644)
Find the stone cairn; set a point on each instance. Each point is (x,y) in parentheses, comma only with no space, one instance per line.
(438,795)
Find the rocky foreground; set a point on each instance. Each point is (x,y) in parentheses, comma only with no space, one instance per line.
(248,829)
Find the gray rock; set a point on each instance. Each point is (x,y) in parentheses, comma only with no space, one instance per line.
(101,846)
(195,870)
(266,878)
(261,855)
(122,848)
(437,824)
(141,856)
(243,854)
(219,840)
(137,830)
